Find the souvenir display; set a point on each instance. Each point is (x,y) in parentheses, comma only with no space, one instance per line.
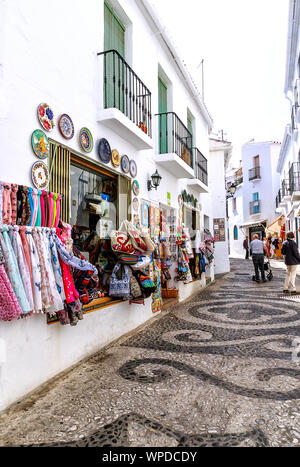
(135,187)
(46,117)
(40,175)
(145,214)
(135,204)
(133,168)
(104,151)
(125,164)
(40,144)
(86,140)
(115,158)
(66,126)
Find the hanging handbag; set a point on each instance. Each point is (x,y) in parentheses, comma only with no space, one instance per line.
(166,250)
(149,243)
(143,262)
(130,260)
(135,289)
(121,242)
(119,285)
(147,285)
(135,237)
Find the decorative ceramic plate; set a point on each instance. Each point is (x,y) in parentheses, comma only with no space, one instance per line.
(86,140)
(135,204)
(125,164)
(133,168)
(104,151)
(46,117)
(66,126)
(115,158)
(136,188)
(40,144)
(40,175)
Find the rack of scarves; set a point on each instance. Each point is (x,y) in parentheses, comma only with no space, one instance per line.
(22,205)
(36,274)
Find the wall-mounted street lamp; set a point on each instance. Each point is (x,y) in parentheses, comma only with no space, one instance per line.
(232,191)
(156,179)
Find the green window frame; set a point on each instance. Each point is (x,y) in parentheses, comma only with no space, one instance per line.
(163,119)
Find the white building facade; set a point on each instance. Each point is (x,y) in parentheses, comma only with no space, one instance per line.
(288,162)
(113,70)
(252,208)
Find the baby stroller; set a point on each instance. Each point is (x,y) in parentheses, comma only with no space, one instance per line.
(267,267)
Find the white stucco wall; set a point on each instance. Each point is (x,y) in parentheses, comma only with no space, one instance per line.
(51,56)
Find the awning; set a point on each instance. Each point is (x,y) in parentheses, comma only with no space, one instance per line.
(253,224)
(276,225)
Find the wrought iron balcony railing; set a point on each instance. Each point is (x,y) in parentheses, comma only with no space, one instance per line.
(285,188)
(125,91)
(294,177)
(254,173)
(200,166)
(278,198)
(255,207)
(174,137)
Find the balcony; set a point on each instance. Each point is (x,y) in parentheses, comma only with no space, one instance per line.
(200,182)
(294,180)
(255,207)
(254,174)
(285,192)
(278,201)
(174,146)
(126,101)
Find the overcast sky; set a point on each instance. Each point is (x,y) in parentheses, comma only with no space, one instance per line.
(243,44)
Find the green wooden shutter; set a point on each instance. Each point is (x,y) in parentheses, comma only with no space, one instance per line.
(163,119)
(114,69)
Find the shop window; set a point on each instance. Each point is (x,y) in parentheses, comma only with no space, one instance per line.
(235,233)
(96,201)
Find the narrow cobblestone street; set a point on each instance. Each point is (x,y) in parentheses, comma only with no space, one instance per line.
(216,371)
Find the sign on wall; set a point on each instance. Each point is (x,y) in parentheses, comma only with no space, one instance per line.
(219,230)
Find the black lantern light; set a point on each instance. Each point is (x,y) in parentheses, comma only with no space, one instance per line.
(232,190)
(156,178)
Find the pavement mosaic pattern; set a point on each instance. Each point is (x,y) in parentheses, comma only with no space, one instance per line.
(219,370)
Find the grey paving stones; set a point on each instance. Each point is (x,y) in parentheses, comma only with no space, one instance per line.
(215,371)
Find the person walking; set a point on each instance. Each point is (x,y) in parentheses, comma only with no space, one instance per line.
(291,259)
(257,253)
(246,247)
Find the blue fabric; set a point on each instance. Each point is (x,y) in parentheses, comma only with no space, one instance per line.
(31,204)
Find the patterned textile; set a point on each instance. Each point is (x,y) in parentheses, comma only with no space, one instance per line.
(38,221)
(9,305)
(26,249)
(51,208)
(1,201)
(47,299)
(57,301)
(30,199)
(13,199)
(135,289)
(70,259)
(57,269)
(26,209)
(36,279)
(54,209)
(12,271)
(71,293)
(22,264)
(35,206)
(6,204)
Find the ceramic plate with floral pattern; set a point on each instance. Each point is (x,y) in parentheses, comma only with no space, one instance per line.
(86,140)
(125,164)
(66,126)
(135,187)
(135,204)
(133,168)
(40,144)
(115,158)
(40,175)
(46,117)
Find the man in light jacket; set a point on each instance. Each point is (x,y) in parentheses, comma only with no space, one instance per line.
(291,259)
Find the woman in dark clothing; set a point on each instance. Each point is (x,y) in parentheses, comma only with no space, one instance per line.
(292,259)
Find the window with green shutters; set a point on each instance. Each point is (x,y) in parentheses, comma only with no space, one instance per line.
(114,39)
(162,110)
